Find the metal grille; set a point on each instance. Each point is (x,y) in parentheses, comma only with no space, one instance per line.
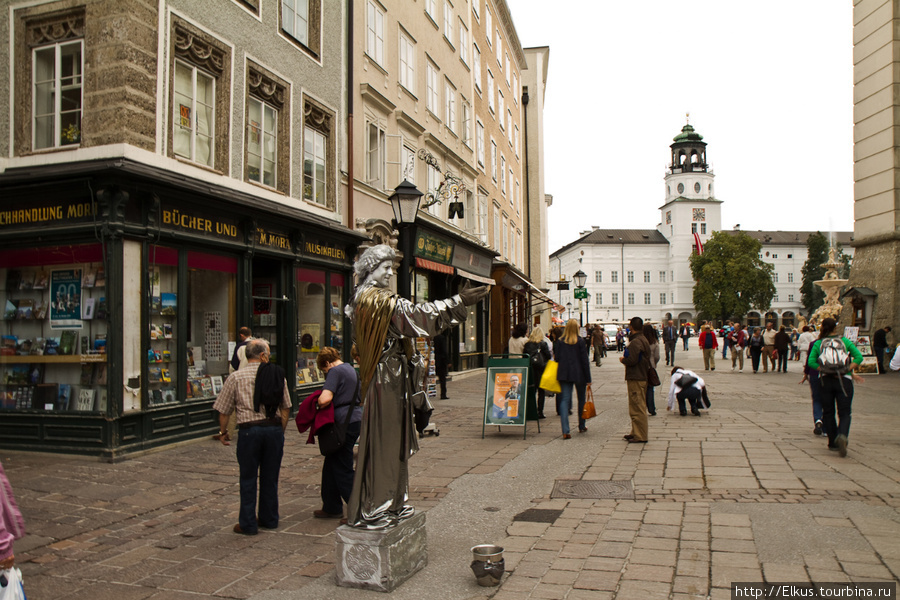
(588,490)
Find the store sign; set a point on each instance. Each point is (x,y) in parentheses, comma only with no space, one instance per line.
(324,250)
(434,248)
(273,239)
(468,260)
(178,219)
(48,213)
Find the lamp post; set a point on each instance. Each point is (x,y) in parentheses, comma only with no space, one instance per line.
(569,308)
(580,278)
(405,203)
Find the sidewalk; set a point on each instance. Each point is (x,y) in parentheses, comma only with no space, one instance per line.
(745,492)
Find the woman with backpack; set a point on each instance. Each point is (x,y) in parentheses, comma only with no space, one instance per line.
(538,350)
(574,371)
(836,359)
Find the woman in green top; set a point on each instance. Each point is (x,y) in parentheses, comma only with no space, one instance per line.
(837,389)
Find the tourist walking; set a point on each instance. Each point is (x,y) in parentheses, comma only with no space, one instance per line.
(573,371)
(538,350)
(670,339)
(837,386)
(756,347)
(738,339)
(769,347)
(597,343)
(441,361)
(517,341)
(636,361)
(685,334)
(807,337)
(815,391)
(708,344)
(653,339)
(782,348)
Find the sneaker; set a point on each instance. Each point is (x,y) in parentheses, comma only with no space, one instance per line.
(841,442)
(818,429)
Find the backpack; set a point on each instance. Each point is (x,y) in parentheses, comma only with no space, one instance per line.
(833,357)
(538,362)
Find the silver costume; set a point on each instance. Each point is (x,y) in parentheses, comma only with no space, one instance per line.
(388,435)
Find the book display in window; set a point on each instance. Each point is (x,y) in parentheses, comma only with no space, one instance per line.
(162,367)
(49,356)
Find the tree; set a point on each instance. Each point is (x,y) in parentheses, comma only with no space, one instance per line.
(730,277)
(811,295)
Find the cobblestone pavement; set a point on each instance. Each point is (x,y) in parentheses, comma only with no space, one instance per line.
(745,492)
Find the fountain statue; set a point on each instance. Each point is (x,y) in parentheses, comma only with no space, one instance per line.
(832,286)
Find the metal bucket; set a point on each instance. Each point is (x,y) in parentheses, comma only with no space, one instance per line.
(488,564)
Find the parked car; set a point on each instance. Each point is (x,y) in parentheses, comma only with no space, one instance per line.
(610,331)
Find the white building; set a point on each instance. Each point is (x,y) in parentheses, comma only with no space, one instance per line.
(647,273)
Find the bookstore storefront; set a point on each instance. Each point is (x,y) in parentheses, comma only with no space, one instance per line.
(123,296)
(441,264)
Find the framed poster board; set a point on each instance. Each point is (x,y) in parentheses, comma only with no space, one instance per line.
(864,344)
(504,402)
(868,365)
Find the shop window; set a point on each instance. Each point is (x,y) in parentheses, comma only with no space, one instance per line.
(206,307)
(53,346)
(200,97)
(268,132)
(320,320)
(300,20)
(318,155)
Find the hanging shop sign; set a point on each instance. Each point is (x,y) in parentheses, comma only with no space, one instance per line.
(434,248)
(470,261)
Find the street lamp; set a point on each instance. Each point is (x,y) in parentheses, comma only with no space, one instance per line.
(569,307)
(580,279)
(405,204)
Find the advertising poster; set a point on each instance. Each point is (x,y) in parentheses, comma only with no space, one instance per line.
(505,398)
(65,299)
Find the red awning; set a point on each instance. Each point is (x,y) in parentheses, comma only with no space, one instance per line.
(434,266)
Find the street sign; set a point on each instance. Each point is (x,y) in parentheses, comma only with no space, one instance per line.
(581,293)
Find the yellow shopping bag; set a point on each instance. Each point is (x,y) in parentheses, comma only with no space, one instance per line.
(548,379)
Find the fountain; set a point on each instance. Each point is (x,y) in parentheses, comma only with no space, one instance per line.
(832,286)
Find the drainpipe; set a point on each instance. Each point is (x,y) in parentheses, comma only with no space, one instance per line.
(527,177)
(350,179)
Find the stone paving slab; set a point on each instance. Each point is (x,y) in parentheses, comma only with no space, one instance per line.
(741,493)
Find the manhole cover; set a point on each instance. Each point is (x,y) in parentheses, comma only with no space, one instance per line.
(538,515)
(589,490)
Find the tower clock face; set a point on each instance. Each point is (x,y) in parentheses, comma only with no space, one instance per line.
(680,188)
(699,214)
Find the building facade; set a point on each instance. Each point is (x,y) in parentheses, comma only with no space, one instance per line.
(875,278)
(646,272)
(166,179)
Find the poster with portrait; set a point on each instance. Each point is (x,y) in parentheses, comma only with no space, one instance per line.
(310,337)
(65,299)
(505,397)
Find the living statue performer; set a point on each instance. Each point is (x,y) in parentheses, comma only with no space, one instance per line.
(391,375)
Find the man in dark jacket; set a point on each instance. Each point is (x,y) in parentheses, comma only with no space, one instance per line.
(637,361)
(670,337)
(879,344)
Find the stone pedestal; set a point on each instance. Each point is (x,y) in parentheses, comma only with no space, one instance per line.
(380,559)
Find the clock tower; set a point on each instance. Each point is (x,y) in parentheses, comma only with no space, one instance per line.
(690,207)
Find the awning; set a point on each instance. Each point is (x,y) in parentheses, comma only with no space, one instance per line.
(858,291)
(513,280)
(434,266)
(475,277)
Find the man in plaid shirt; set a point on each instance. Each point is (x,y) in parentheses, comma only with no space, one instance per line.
(260,444)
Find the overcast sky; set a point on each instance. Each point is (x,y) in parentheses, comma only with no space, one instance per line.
(768,84)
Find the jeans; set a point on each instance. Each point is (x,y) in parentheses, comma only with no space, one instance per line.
(259,453)
(815,390)
(692,395)
(651,400)
(685,342)
(725,346)
(836,392)
(565,402)
(782,361)
(337,473)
